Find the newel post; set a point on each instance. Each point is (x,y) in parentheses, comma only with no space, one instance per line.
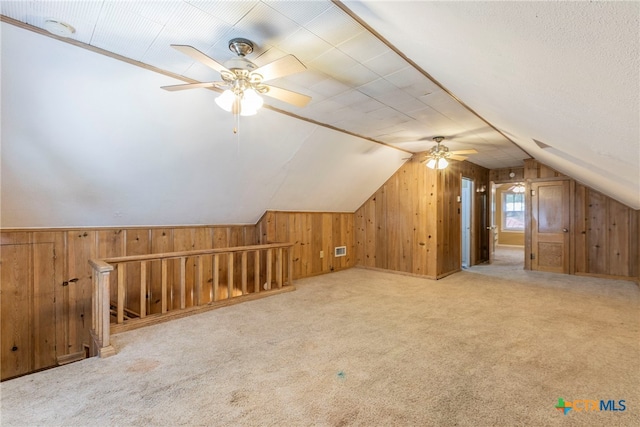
(100,319)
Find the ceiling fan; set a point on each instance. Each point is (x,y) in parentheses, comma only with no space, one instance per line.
(243,81)
(439,155)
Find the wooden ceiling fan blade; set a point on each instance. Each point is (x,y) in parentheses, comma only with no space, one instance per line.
(289,96)
(280,67)
(199,56)
(457,157)
(469,151)
(191,86)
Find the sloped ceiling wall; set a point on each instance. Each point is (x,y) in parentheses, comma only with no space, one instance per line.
(563,73)
(91,141)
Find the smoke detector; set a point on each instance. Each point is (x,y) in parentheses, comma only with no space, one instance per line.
(59,28)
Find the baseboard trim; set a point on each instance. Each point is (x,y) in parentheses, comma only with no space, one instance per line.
(402,273)
(70,358)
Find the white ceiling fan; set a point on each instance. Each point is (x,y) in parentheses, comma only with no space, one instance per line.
(243,81)
(439,155)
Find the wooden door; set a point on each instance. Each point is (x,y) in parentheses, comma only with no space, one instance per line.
(550,226)
(28,309)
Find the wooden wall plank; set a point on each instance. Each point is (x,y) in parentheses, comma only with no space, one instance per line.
(420,238)
(17,348)
(382,219)
(327,242)
(81,247)
(349,237)
(597,236)
(137,242)
(370,219)
(43,306)
(580,229)
(619,233)
(161,241)
(305,244)
(634,244)
(316,243)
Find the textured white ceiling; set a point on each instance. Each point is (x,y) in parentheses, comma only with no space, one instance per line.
(564,73)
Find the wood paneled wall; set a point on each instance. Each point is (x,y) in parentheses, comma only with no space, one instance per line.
(311,233)
(502,175)
(57,282)
(412,224)
(605,234)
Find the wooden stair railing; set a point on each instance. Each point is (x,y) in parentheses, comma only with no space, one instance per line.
(111,313)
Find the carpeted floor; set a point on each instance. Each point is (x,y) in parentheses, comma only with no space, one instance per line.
(358,347)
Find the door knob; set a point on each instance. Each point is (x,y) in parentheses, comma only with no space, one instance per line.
(565,230)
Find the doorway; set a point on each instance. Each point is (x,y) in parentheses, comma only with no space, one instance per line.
(507,228)
(466,201)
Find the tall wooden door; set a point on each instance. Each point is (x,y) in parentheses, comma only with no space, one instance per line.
(550,226)
(28,308)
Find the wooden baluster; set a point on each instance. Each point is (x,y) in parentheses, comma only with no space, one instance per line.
(216,276)
(164,285)
(256,272)
(244,272)
(143,289)
(94,300)
(105,303)
(121,293)
(230,275)
(279,268)
(269,261)
(199,278)
(183,282)
(290,265)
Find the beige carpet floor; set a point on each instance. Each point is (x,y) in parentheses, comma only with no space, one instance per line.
(359,347)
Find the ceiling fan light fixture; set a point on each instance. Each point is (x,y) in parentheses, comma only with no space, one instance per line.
(518,188)
(431,163)
(226,100)
(442,163)
(245,103)
(251,100)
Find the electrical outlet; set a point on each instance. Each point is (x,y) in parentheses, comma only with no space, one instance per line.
(321,254)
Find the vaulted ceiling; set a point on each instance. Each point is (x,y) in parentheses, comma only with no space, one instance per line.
(88,138)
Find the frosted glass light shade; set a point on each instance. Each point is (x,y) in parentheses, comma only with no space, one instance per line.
(442,163)
(226,100)
(247,104)
(251,100)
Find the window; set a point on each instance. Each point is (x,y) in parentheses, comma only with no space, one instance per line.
(513,211)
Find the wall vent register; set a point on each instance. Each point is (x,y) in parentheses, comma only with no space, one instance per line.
(340,251)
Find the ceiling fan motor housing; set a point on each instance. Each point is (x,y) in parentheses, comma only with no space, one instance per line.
(239,65)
